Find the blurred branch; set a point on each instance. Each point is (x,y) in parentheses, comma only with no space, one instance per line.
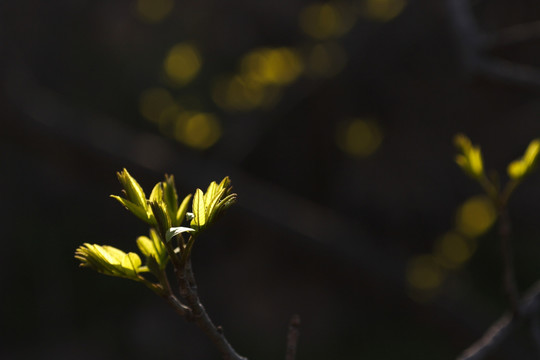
(507,71)
(472,43)
(515,34)
(509,277)
(292,337)
(504,327)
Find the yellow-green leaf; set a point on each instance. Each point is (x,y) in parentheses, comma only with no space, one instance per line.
(135,209)
(170,196)
(130,264)
(519,168)
(210,193)
(109,260)
(161,251)
(469,157)
(146,246)
(212,203)
(462,142)
(134,191)
(476,163)
(225,183)
(199,210)
(159,211)
(157,193)
(182,210)
(111,254)
(531,154)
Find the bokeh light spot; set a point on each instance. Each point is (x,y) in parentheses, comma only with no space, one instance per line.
(324,20)
(237,93)
(475,216)
(383,10)
(153,101)
(423,273)
(279,66)
(359,137)
(452,250)
(167,119)
(182,63)
(197,130)
(153,11)
(325,60)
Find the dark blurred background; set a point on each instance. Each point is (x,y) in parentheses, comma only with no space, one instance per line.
(335,122)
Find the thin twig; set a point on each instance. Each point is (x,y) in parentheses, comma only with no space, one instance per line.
(472,43)
(467,35)
(508,261)
(188,291)
(292,337)
(215,334)
(503,327)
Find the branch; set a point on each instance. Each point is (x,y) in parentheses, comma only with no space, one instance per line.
(504,327)
(515,34)
(188,291)
(509,72)
(472,42)
(215,334)
(509,278)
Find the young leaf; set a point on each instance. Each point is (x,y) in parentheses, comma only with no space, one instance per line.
(154,250)
(172,232)
(135,209)
(163,221)
(199,210)
(133,190)
(208,205)
(519,168)
(213,203)
(130,264)
(470,157)
(170,196)
(210,193)
(146,246)
(157,193)
(182,210)
(109,260)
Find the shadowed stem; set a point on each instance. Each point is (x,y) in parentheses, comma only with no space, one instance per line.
(198,315)
(215,334)
(509,279)
(505,230)
(500,201)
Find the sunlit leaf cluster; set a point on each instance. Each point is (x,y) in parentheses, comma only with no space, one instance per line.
(207,206)
(109,260)
(469,158)
(426,273)
(166,215)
